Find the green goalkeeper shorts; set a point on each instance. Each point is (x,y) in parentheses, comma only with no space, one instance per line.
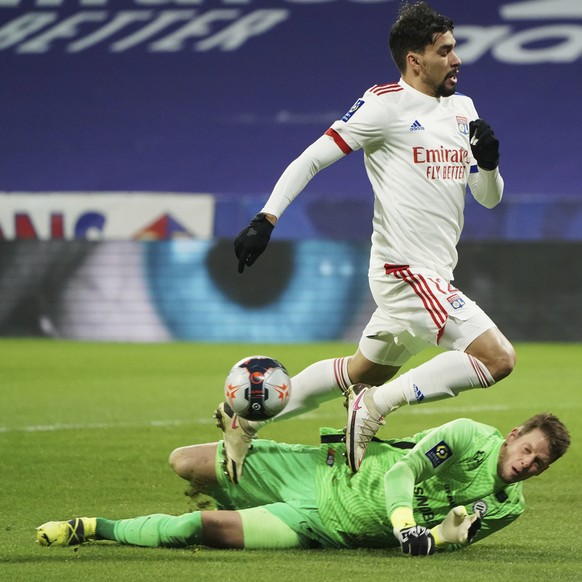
(281,478)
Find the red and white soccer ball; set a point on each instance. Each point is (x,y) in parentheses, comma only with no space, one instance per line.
(257,387)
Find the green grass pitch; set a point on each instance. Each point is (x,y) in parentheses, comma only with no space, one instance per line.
(86,429)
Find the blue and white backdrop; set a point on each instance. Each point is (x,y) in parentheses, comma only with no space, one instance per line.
(130,121)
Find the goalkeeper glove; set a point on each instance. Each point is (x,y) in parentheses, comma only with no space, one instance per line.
(252,241)
(457,528)
(484,144)
(415,540)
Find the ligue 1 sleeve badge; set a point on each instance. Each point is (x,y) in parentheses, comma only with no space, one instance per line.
(439,454)
(352,110)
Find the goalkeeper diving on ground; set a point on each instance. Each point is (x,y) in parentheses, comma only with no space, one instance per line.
(441,489)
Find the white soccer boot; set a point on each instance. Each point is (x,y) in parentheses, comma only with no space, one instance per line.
(364,420)
(238,436)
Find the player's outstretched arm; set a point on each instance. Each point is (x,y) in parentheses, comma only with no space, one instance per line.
(253,239)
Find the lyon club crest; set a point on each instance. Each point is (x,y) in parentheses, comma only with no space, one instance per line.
(463,124)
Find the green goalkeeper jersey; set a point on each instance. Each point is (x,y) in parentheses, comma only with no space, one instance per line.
(431,472)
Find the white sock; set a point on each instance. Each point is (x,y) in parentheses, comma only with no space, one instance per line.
(316,384)
(444,376)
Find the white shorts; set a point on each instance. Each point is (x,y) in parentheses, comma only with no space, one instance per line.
(418,308)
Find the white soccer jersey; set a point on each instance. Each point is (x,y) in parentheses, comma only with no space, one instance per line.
(418,160)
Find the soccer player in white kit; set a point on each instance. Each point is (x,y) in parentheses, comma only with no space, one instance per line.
(423,144)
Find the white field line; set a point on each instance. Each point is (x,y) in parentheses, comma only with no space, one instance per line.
(414,410)
(100,425)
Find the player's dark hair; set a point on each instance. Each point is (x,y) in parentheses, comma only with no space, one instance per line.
(554,430)
(414,30)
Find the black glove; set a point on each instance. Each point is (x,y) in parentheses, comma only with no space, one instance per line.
(475,527)
(252,241)
(416,541)
(484,144)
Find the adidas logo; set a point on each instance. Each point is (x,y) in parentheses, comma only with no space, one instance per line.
(416,126)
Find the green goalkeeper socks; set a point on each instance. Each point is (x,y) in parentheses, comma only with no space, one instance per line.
(153,530)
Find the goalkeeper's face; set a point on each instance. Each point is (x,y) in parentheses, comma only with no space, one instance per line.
(523,456)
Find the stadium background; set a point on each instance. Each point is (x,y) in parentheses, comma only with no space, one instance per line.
(140,136)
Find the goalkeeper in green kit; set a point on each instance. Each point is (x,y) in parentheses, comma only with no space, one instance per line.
(440,489)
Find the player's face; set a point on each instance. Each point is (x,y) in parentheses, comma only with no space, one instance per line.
(439,66)
(523,456)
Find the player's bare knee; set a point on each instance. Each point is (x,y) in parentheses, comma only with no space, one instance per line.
(502,362)
(179,461)
(495,352)
(195,463)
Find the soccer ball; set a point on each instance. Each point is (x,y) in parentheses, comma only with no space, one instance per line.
(257,388)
